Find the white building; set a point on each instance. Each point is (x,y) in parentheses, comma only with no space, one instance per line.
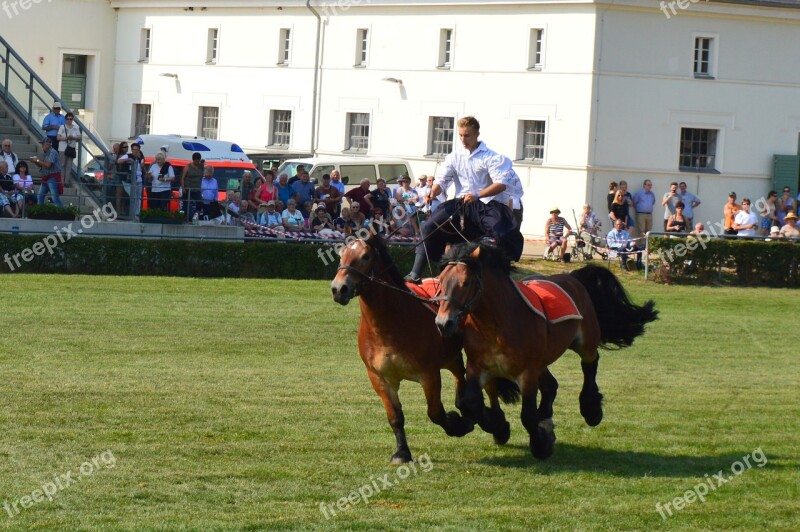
(578,92)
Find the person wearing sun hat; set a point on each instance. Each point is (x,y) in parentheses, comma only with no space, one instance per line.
(554,230)
(790,230)
(52,122)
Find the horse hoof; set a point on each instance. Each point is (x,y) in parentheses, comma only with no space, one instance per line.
(502,434)
(458,426)
(592,409)
(401,457)
(543,448)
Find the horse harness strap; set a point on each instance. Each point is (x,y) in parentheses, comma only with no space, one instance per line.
(374,279)
(462,307)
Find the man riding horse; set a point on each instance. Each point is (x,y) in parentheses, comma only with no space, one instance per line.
(481,179)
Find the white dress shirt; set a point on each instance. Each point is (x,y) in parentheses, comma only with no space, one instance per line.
(472,172)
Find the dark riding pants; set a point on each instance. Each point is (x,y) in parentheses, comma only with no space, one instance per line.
(491,219)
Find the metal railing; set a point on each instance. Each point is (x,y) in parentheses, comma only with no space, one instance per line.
(30,99)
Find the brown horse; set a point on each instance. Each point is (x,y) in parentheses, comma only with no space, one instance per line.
(398,340)
(504,338)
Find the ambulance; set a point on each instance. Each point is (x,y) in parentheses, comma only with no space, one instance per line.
(227,158)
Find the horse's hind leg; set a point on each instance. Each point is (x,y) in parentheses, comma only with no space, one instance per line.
(452,423)
(591,400)
(394,412)
(548,386)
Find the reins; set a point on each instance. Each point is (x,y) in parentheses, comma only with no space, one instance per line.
(462,307)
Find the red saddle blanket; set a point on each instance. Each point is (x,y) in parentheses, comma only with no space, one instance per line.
(427,289)
(548,300)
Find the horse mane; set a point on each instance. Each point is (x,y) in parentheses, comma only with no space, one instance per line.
(378,244)
(491,257)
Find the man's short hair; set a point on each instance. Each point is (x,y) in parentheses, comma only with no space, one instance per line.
(196,156)
(674,183)
(471,122)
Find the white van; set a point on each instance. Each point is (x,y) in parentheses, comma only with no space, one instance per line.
(352,169)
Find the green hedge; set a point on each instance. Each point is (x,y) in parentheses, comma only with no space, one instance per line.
(180,258)
(744,262)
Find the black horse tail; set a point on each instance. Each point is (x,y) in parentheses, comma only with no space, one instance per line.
(621,321)
(507,390)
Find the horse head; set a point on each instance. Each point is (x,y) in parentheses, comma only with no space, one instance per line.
(357,261)
(461,285)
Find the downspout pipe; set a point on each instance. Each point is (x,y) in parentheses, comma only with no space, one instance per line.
(315,95)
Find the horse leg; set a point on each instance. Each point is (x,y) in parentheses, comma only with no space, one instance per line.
(452,423)
(474,406)
(548,385)
(542,435)
(590,399)
(495,415)
(394,412)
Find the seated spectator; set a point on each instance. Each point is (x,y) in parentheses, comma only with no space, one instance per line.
(268,216)
(379,198)
(7,195)
(677,222)
(790,230)
(774,232)
(23,185)
(345,222)
(619,240)
(745,222)
(322,223)
(292,218)
(554,229)
(358,217)
(699,229)
(307,210)
(378,221)
(404,223)
(588,221)
(244,215)
(279,206)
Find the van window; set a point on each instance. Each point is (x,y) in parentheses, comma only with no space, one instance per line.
(321,170)
(390,172)
(357,172)
(289,168)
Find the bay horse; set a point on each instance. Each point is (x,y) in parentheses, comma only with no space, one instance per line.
(504,338)
(398,340)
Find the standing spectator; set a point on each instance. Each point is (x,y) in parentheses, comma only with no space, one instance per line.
(643,202)
(690,201)
(52,122)
(745,222)
(50,172)
(405,195)
(9,156)
(293,219)
(304,191)
(269,191)
(138,157)
(441,198)
(23,183)
(785,204)
(284,188)
(253,198)
(336,181)
(358,195)
(769,216)
(631,211)
(619,211)
(554,229)
(298,172)
(668,202)
(612,193)
(209,193)
(790,230)
(678,223)
(729,212)
(68,136)
(160,176)
(329,196)
(512,196)
(247,186)
(422,191)
(191,179)
(379,198)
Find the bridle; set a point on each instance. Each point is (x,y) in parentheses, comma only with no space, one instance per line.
(463,308)
(374,278)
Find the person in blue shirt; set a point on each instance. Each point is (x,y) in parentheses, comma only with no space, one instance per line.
(52,122)
(619,240)
(304,191)
(209,193)
(643,202)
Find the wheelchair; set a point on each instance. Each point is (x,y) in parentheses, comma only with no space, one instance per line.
(585,246)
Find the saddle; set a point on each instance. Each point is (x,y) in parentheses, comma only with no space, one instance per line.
(548,300)
(427,289)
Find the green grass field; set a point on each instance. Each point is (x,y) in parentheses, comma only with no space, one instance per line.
(243,405)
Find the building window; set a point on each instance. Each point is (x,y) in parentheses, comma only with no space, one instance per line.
(533,139)
(703,57)
(281,128)
(209,123)
(358,132)
(698,149)
(213,46)
(362,45)
(445,48)
(285,46)
(441,135)
(535,52)
(144,46)
(141,119)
